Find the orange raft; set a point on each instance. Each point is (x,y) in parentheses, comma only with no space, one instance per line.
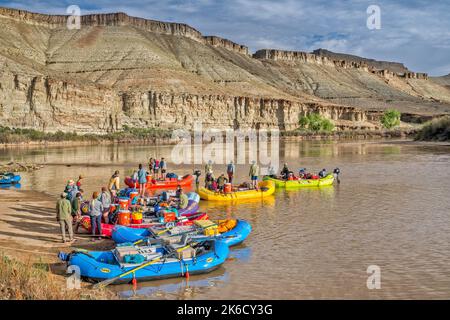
(167,183)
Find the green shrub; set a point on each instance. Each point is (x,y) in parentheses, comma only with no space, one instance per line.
(315,122)
(390,118)
(436,129)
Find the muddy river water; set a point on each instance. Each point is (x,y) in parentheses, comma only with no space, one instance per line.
(391,209)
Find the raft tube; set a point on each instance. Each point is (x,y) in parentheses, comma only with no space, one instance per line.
(265,188)
(235,236)
(10,178)
(107,229)
(97,266)
(302,183)
(185,181)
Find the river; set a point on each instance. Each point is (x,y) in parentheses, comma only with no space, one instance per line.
(391,210)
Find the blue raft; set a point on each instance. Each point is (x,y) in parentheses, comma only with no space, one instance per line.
(101,265)
(238,234)
(9,178)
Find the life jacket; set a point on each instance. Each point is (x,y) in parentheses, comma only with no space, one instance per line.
(226,225)
(156,164)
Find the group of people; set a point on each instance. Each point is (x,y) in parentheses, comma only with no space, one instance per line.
(157,168)
(287,174)
(69,206)
(218,184)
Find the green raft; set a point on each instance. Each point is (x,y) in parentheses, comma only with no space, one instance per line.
(302,183)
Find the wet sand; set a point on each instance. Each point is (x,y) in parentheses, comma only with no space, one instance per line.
(28,227)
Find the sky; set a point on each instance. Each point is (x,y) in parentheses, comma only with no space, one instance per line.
(414,32)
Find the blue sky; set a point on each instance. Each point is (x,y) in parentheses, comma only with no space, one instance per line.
(415,32)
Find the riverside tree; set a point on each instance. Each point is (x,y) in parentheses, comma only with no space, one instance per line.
(390,118)
(315,122)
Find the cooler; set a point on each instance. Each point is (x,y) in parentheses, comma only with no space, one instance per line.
(124,218)
(136,218)
(123,203)
(227,188)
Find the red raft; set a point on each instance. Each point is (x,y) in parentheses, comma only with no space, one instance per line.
(168,183)
(108,228)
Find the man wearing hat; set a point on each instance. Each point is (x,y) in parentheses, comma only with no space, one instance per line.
(64,217)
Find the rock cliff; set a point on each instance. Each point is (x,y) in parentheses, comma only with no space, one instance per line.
(119,70)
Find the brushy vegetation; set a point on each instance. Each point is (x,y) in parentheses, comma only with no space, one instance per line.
(27,281)
(437,129)
(350,134)
(316,123)
(390,118)
(16,135)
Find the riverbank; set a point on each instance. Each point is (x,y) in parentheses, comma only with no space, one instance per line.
(29,243)
(17,137)
(435,130)
(19,167)
(29,137)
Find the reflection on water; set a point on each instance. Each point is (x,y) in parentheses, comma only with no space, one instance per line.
(185,288)
(391,209)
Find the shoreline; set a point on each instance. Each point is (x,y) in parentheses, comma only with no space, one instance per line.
(284,136)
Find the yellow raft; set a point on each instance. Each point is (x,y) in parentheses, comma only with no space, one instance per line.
(301,183)
(265,188)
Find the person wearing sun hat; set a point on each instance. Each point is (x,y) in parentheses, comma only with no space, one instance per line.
(71,190)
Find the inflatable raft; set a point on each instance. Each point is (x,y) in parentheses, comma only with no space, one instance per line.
(265,188)
(107,228)
(301,183)
(148,262)
(231,235)
(9,178)
(168,183)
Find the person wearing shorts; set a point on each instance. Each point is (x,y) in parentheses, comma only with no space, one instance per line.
(156,168)
(254,174)
(163,166)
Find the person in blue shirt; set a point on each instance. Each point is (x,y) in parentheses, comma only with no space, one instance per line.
(142,179)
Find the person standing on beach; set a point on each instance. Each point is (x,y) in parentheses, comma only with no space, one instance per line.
(79,181)
(142,179)
(163,166)
(151,165)
(76,211)
(105,199)
(96,211)
(64,217)
(156,168)
(114,183)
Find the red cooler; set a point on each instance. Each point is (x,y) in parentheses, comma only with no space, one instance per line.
(123,203)
(124,218)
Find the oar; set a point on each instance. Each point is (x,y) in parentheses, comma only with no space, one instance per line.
(106,282)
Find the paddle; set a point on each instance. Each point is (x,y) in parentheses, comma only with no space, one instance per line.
(106,282)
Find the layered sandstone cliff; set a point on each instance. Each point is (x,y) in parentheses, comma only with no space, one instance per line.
(119,70)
